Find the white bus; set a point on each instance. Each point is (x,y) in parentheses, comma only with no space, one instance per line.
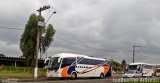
(149,70)
(46,61)
(158,72)
(67,65)
(140,70)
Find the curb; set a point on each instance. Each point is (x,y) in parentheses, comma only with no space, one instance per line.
(30,80)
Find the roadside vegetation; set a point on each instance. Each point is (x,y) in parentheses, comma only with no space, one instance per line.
(20,72)
(28,39)
(27,72)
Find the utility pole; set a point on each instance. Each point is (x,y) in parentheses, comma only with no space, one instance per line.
(46,55)
(40,24)
(134,49)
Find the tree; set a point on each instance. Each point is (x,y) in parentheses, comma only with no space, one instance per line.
(28,39)
(2,55)
(123,64)
(116,66)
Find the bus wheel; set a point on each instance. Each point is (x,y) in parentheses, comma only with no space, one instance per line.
(101,75)
(73,76)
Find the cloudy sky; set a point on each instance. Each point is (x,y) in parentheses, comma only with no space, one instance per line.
(103,28)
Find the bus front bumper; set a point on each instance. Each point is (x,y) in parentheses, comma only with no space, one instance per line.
(52,74)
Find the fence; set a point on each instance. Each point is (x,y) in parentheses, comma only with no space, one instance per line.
(20,72)
(11,69)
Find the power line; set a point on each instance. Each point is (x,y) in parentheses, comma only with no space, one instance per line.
(73,42)
(140,49)
(82,44)
(11,28)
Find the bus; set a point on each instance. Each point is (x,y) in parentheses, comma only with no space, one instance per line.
(149,70)
(46,61)
(157,70)
(140,70)
(66,65)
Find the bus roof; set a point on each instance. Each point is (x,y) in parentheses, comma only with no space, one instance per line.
(137,63)
(65,55)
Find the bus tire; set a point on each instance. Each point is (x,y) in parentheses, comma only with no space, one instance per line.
(101,75)
(74,76)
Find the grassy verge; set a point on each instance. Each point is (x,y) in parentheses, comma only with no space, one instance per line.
(141,82)
(21,72)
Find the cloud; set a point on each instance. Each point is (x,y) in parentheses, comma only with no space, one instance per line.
(113,26)
(9,49)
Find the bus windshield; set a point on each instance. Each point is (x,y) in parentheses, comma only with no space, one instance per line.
(53,63)
(158,70)
(148,67)
(130,72)
(132,67)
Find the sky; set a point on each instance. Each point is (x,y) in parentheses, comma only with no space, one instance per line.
(102,28)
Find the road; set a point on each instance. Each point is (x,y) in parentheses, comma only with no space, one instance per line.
(106,80)
(71,81)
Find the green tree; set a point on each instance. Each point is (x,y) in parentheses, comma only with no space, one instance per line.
(2,55)
(116,66)
(123,64)
(28,38)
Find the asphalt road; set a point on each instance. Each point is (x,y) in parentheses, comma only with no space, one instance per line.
(71,81)
(106,80)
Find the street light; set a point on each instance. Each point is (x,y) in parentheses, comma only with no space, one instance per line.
(40,24)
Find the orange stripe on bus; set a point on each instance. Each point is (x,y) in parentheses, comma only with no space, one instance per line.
(64,72)
(106,69)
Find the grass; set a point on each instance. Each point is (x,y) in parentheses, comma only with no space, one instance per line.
(20,72)
(141,82)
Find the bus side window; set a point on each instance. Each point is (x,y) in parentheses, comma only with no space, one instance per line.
(99,62)
(64,65)
(67,62)
(106,63)
(92,62)
(83,61)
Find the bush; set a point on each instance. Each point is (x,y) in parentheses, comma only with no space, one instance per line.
(1,66)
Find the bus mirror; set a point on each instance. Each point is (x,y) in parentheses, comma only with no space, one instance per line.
(138,68)
(127,68)
(59,60)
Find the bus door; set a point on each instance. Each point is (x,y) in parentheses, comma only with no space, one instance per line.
(66,67)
